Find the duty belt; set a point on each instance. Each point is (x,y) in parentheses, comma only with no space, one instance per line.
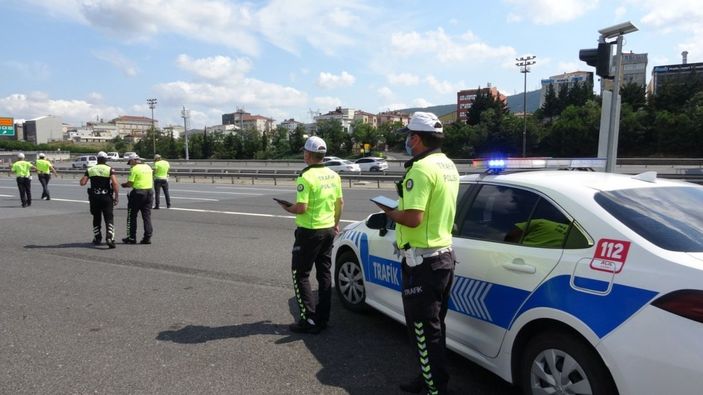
(429,252)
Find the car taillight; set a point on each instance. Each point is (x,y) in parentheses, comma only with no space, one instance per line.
(687,303)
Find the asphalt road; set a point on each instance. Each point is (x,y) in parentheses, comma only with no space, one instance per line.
(203,310)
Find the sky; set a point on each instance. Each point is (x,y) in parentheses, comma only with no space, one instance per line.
(85,60)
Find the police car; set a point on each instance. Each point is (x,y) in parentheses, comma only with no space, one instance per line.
(567,282)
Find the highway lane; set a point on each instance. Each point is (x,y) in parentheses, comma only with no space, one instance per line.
(204,309)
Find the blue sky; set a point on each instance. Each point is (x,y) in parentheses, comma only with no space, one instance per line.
(84,59)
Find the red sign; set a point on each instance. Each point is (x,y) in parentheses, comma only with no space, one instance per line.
(610,255)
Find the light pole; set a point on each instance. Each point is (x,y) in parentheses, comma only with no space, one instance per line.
(524,64)
(185,114)
(152,105)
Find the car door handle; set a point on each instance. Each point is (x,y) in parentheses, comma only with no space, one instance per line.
(518,265)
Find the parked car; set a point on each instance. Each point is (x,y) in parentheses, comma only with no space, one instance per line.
(84,162)
(342,166)
(329,158)
(566,281)
(128,154)
(113,155)
(371,163)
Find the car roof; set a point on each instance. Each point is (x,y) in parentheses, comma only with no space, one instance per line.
(583,181)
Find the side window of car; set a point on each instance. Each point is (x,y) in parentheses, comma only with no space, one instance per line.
(495,212)
(547,228)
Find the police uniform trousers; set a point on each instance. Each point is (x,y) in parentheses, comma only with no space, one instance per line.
(426,291)
(24,184)
(44,181)
(139,200)
(161,183)
(313,247)
(101,206)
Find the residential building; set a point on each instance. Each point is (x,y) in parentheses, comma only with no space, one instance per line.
(634,69)
(43,129)
(224,129)
(344,115)
(568,79)
(133,128)
(393,116)
(245,120)
(367,118)
(291,124)
(174,131)
(466,98)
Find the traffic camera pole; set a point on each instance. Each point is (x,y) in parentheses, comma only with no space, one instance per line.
(614,127)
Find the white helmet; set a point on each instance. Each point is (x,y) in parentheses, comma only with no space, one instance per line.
(102,154)
(20,156)
(41,155)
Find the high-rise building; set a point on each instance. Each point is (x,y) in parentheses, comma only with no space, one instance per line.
(674,73)
(466,98)
(568,79)
(634,69)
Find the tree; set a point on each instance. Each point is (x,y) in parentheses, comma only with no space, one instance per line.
(338,141)
(296,139)
(251,143)
(634,95)
(550,107)
(388,132)
(364,133)
(574,133)
(484,101)
(458,140)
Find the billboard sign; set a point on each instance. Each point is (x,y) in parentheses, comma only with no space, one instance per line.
(7,126)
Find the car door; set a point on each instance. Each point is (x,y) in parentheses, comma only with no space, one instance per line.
(498,264)
(382,270)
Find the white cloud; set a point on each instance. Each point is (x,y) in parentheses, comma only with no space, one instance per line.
(549,12)
(442,87)
(385,92)
(675,15)
(119,61)
(326,102)
(407,79)
(39,104)
(567,67)
(620,12)
(420,102)
(330,81)
(444,48)
(216,67)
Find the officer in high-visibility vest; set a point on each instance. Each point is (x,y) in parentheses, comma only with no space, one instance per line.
(424,222)
(141,180)
(44,170)
(103,195)
(22,170)
(317,211)
(161,168)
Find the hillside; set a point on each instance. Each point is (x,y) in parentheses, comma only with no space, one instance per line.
(514,105)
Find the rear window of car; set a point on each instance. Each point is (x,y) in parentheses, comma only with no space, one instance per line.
(671,217)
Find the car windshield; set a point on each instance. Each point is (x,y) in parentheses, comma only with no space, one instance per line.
(671,218)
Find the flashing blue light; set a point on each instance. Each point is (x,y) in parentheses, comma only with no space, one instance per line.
(496,164)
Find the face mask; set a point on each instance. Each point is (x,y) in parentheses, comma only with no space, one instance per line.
(408,148)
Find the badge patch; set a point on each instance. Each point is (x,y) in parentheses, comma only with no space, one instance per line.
(409,184)
(301,187)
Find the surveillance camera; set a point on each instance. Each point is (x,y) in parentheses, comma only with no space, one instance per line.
(617,30)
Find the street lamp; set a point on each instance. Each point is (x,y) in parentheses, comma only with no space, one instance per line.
(524,64)
(185,114)
(152,105)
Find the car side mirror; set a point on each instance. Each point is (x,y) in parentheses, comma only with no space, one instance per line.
(378,221)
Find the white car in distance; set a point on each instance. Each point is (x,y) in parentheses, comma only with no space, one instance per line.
(342,166)
(371,163)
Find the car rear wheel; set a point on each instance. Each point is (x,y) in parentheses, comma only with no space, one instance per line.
(375,168)
(349,280)
(560,363)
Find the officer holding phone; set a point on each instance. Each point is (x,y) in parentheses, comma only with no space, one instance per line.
(317,209)
(425,218)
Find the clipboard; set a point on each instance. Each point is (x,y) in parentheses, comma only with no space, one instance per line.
(385,201)
(283,202)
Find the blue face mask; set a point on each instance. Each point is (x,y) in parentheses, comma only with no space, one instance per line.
(408,148)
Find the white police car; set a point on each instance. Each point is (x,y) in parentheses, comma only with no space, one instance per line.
(567,282)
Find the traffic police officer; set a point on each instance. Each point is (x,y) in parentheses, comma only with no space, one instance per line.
(317,211)
(22,170)
(103,194)
(425,219)
(44,170)
(141,180)
(161,168)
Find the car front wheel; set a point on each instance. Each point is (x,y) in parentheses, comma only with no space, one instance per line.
(560,363)
(349,281)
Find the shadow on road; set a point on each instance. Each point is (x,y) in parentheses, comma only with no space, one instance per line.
(63,245)
(200,334)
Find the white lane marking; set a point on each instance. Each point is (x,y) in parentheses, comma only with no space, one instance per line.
(225,193)
(206,199)
(6,195)
(197,210)
(258,189)
(70,200)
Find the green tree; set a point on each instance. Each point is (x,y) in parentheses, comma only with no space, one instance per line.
(364,133)
(388,132)
(251,143)
(634,95)
(574,133)
(459,140)
(338,141)
(484,101)
(296,140)
(550,107)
